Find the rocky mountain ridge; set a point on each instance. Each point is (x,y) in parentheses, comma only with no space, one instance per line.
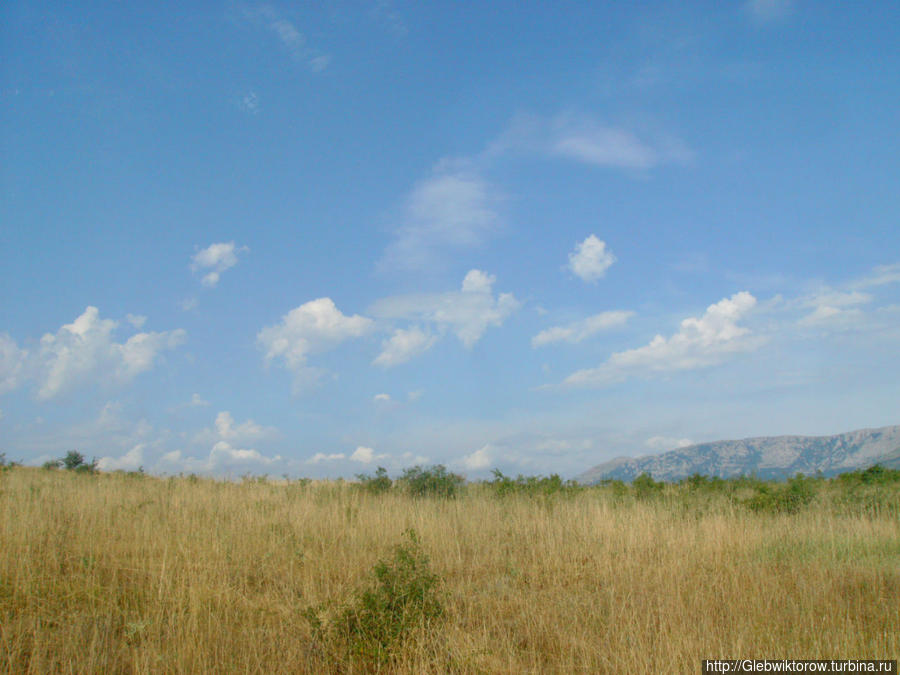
(768,457)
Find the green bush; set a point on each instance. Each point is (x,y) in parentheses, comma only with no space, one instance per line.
(874,475)
(377,484)
(374,625)
(798,493)
(531,485)
(435,481)
(645,487)
(74,461)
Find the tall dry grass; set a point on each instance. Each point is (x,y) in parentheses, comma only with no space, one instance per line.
(118,574)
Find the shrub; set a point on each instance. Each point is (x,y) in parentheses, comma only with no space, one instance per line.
(531,485)
(377,484)
(435,481)
(645,487)
(798,492)
(74,461)
(374,625)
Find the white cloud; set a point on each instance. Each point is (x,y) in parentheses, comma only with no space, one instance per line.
(365,455)
(227,437)
(581,330)
(292,40)
(880,276)
(214,260)
(468,313)
(222,458)
(314,327)
(320,457)
(589,141)
(453,209)
(382,398)
(136,320)
(404,345)
(12,362)
(130,461)
(85,348)
(700,342)
(590,259)
(479,459)
(414,396)
(664,443)
(227,430)
(834,307)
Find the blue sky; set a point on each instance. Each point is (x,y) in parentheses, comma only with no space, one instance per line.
(312,239)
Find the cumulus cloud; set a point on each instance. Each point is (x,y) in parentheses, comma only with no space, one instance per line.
(468,313)
(320,457)
(590,259)
(382,398)
(130,461)
(222,458)
(312,328)
(227,430)
(214,260)
(479,459)
(86,349)
(700,342)
(454,209)
(581,330)
(404,345)
(365,455)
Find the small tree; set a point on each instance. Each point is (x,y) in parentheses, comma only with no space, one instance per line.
(378,483)
(435,481)
(74,461)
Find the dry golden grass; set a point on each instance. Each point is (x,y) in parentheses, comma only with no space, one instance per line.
(118,574)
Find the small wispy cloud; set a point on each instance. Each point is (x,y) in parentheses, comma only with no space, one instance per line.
(766,11)
(404,345)
(454,209)
(249,103)
(214,260)
(578,331)
(289,36)
(588,140)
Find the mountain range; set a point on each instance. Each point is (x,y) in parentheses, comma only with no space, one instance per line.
(767,457)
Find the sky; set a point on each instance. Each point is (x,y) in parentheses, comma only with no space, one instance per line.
(311,239)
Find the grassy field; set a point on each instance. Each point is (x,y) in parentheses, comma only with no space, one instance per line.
(121,573)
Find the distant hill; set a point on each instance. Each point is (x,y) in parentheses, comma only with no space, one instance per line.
(768,457)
